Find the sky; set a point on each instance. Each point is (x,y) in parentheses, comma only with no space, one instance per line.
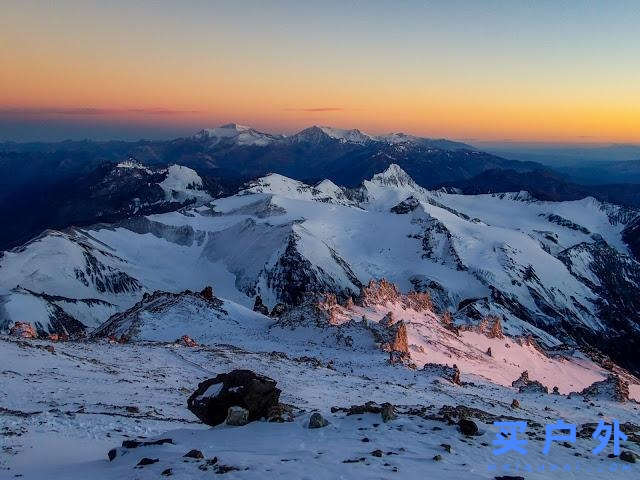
(477,71)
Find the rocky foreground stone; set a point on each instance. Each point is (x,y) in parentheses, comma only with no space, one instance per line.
(213,398)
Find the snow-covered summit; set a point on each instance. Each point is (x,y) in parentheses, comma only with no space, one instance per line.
(347,136)
(321,134)
(236,134)
(243,135)
(393,176)
(183,183)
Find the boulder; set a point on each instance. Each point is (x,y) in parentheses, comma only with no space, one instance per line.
(468,427)
(242,388)
(197,454)
(237,416)
(627,456)
(317,421)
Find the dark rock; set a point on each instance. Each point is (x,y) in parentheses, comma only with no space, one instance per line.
(365,440)
(137,443)
(222,469)
(468,427)
(515,403)
(446,446)
(388,412)
(213,398)
(377,453)
(406,206)
(437,458)
(354,460)
(132,409)
(207,293)
(147,461)
(627,456)
(194,454)
(317,421)
(113,453)
(167,473)
(260,307)
(278,310)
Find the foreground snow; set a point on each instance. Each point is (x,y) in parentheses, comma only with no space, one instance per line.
(61,413)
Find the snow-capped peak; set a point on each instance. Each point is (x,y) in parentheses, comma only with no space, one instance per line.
(317,134)
(235,126)
(348,136)
(393,176)
(396,138)
(237,134)
(183,183)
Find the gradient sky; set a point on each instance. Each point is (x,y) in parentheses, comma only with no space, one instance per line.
(565,71)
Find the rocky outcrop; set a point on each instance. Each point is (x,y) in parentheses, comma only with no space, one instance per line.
(611,388)
(260,307)
(239,388)
(526,385)
(23,330)
(187,341)
(378,293)
(278,310)
(207,293)
(406,206)
(452,374)
(491,326)
(400,342)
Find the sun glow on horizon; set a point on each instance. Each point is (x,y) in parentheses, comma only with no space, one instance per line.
(456,70)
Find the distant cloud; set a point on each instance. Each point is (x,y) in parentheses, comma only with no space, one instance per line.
(92,111)
(315,109)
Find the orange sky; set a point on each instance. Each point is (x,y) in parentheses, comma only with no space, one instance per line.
(548,74)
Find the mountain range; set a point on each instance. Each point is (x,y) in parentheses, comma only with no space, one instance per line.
(563,272)
(77,183)
(404,317)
